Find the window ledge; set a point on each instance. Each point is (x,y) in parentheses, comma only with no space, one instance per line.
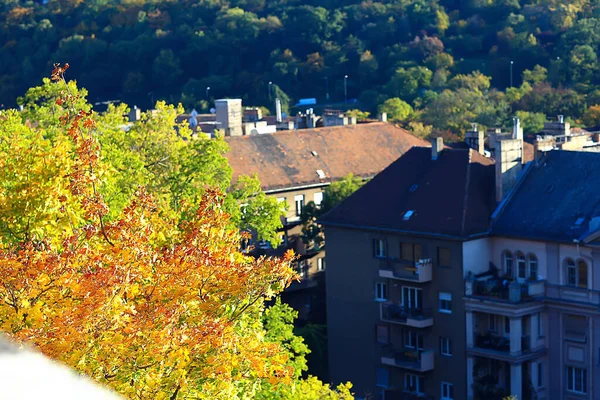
(445,311)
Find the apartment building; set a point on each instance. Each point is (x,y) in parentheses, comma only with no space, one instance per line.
(531,293)
(396,250)
(296,166)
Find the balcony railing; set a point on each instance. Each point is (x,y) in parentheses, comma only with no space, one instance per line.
(416,360)
(416,317)
(421,271)
(500,343)
(512,292)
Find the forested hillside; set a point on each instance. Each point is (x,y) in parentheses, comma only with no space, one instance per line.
(421,51)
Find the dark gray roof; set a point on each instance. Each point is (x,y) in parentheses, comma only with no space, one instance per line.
(450,196)
(555,200)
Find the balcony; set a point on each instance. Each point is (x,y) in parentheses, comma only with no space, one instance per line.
(414,317)
(415,360)
(499,347)
(420,272)
(496,289)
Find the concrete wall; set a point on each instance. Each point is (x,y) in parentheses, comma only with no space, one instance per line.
(476,255)
(353,314)
(309,195)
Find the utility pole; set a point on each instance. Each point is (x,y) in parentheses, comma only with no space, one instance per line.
(345,88)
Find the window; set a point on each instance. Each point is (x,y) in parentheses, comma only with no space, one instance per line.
(412,297)
(540,374)
(576,274)
(299,199)
(576,327)
(383,377)
(445,302)
(507,325)
(521,266)
(443,254)
(321,264)
(318,198)
(380,291)
(492,323)
(445,346)
(383,334)
(540,325)
(533,266)
(508,263)
(414,383)
(576,380)
(447,391)
(379,248)
(581,274)
(413,340)
(303,269)
(410,252)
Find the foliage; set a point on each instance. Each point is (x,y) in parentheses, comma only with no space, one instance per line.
(531,122)
(591,117)
(358,114)
(334,194)
(139,51)
(150,304)
(397,110)
(174,165)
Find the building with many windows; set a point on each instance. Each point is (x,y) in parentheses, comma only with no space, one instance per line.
(532,302)
(396,250)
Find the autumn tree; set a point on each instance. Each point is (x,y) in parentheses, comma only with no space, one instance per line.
(143,301)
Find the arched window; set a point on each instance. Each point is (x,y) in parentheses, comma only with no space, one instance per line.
(521,266)
(582,278)
(532,266)
(508,263)
(571,271)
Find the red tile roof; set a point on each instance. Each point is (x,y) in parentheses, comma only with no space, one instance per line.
(289,159)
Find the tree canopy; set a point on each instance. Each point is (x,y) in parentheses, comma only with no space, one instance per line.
(453,62)
(141,287)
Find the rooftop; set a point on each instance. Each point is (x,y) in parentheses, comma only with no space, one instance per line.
(289,159)
(555,200)
(450,196)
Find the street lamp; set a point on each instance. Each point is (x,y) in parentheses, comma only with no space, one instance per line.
(270,95)
(345,88)
(511,73)
(327,88)
(207,89)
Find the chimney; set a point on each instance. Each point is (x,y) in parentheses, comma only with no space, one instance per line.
(543,144)
(517,129)
(509,155)
(474,139)
(278,109)
(135,114)
(436,148)
(229,116)
(383,117)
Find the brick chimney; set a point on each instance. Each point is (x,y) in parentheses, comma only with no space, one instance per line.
(436,148)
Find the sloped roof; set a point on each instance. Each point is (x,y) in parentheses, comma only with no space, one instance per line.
(450,196)
(555,200)
(286,159)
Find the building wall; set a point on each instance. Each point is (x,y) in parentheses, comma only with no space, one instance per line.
(561,301)
(288,195)
(353,314)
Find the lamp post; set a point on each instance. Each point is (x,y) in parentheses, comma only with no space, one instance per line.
(207,89)
(345,88)
(511,73)
(270,94)
(327,88)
